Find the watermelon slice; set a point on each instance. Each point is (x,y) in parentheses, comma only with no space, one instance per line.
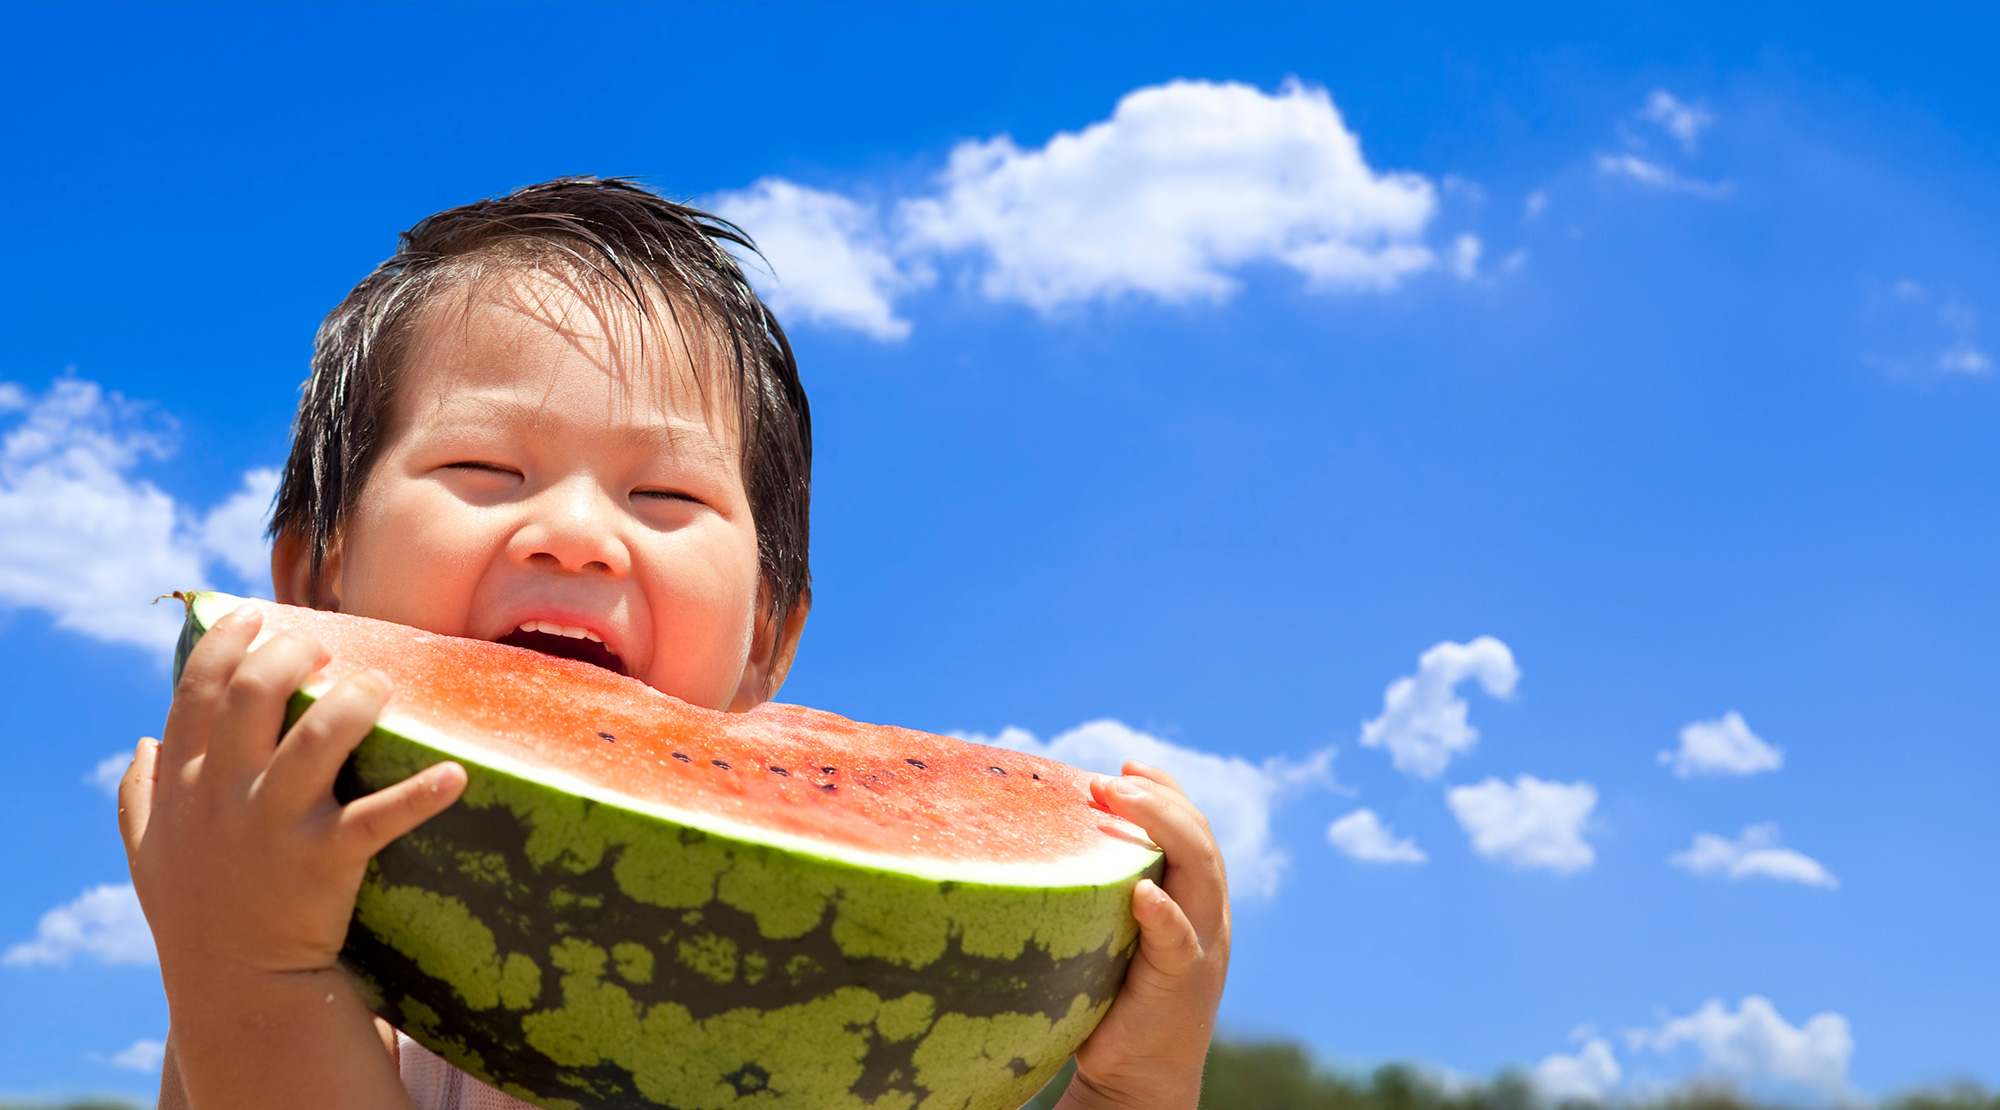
(639,902)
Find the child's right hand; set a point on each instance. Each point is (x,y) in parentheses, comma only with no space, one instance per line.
(247,869)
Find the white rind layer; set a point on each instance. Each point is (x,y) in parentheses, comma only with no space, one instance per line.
(1116,859)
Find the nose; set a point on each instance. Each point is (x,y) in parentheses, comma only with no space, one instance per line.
(575,527)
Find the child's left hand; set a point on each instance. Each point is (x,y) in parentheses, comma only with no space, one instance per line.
(1149,1050)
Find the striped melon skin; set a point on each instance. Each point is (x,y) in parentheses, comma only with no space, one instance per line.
(576,952)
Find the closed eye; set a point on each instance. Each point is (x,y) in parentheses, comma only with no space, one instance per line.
(665,495)
(481,482)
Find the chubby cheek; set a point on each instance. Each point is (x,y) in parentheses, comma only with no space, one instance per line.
(413,559)
(704,619)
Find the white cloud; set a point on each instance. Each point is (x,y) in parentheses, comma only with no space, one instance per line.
(1583,1076)
(1724,746)
(1536,204)
(1757,854)
(828,258)
(1464,258)
(1961,357)
(1423,721)
(105,924)
(1683,121)
(1528,824)
(1964,358)
(1362,835)
(1919,328)
(1184,183)
(140,1055)
(84,539)
(1237,796)
(1756,1044)
(108,772)
(233,532)
(1658,176)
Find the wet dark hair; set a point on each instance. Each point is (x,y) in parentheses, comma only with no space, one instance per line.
(616,237)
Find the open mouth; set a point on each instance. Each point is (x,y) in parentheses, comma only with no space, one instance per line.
(568,643)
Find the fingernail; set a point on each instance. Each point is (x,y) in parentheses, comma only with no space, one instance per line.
(243,612)
(1126,788)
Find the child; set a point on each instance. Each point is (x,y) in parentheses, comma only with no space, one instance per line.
(559,419)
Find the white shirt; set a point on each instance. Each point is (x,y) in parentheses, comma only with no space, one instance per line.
(434,1084)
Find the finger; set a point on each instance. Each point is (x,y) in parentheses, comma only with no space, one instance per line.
(1166,937)
(301,773)
(1148,771)
(368,824)
(203,677)
(135,795)
(1116,791)
(1195,875)
(252,710)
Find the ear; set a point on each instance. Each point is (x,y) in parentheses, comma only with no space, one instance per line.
(291,573)
(771,655)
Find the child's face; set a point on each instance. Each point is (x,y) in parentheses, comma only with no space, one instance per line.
(548,468)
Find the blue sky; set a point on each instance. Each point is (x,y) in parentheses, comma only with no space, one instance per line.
(1184,378)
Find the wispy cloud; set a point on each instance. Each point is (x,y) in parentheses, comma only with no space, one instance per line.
(1917,328)
(1361,835)
(1757,854)
(1962,357)
(141,1055)
(86,540)
(1423,721)
(109,772)
(1723,746)
(1678,118)
(1528,823)
(104,924)
(1184,185)
(1658,176)
(1754,1043)
(1237,796)
(1464,257)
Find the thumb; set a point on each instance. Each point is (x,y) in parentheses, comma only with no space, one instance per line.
(1166,938)
(135,794)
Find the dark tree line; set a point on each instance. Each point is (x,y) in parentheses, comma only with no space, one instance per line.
(1276,1075)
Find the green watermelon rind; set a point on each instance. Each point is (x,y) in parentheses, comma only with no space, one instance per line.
(578,952)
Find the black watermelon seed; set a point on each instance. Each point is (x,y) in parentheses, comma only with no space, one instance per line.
(917,763)
(826,770)
(781,771)
(998,770)
(682,758)
(720,764)
(1038,778)
(828,787)
(609,737)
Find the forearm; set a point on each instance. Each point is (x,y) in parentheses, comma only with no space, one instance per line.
(295,1039)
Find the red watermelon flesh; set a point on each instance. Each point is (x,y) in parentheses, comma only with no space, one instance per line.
(779,772)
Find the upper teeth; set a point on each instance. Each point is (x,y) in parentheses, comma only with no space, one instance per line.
(555,629)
